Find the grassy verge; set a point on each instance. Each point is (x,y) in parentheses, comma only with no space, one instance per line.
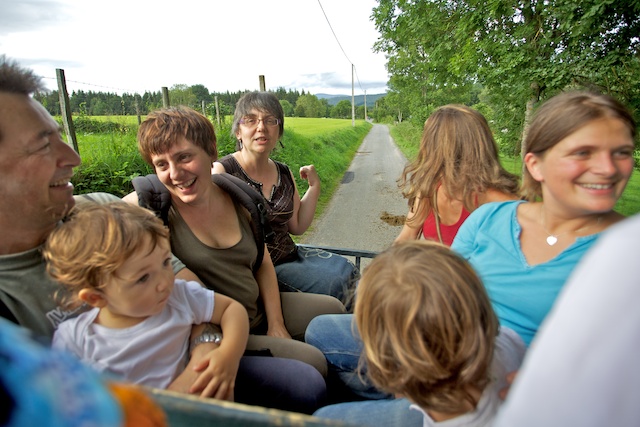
(110,157)
(407,137)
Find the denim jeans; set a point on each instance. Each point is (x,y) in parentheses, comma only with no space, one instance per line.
(319,272)
(337,338)
(374,413)
(279,383)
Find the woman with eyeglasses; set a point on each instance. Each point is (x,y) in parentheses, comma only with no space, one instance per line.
(258,125)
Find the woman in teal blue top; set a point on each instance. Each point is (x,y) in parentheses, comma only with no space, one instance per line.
(579,159)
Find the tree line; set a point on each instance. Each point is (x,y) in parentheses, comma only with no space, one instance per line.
(504,57)
(89,103)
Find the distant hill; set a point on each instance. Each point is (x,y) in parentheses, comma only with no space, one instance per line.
(358,99)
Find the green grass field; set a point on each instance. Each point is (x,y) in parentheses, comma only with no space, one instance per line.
(311,127)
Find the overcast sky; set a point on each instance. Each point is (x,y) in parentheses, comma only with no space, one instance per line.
(142,45)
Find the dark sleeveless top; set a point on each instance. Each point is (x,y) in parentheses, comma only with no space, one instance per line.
(225,270)
(279,207)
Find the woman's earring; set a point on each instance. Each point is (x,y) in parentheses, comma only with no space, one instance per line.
(240,144)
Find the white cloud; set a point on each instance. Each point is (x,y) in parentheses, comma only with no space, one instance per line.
(140,45)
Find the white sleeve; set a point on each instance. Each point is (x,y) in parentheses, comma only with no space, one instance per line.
(582,368)
(199,299)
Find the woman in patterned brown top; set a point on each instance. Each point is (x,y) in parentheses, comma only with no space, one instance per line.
(258,125)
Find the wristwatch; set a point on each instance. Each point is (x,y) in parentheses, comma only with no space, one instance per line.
(206,337)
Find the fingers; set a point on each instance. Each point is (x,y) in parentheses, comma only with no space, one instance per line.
(219,390)
(308,172)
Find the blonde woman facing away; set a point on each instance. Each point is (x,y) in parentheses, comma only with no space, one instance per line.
(456,171)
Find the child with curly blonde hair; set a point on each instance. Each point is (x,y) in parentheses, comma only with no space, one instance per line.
(430,334)
(140,324)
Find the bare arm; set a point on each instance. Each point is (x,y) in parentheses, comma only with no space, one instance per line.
(270,294)
(218,168)
(408,232)
(304,209)
(131,198)
(185,382)
(219,367)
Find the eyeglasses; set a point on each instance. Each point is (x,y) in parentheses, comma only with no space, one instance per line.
(253,121)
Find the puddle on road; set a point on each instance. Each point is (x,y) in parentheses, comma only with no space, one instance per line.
(347,177)
(392,219)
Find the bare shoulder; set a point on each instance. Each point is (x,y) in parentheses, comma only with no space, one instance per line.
(131,198)
(218,168)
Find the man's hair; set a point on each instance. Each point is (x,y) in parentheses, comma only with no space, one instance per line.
(94,241)
(457,151)
(562,115)
(164,127)
(15,79)
(427,326)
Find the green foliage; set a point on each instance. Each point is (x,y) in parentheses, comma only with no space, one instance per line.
(521,53)
(183,95)
(310,106)
(287,108)
(110,159)
(87,125)
(342,110)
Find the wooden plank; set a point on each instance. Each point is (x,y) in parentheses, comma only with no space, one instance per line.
(185,410)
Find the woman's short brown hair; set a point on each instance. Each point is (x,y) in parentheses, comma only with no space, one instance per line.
(164,127)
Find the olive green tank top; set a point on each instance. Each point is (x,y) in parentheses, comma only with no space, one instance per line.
(228,271)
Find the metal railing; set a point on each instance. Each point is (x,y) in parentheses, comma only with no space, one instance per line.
(355,253)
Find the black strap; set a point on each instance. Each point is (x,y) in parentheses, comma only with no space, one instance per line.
(153,195)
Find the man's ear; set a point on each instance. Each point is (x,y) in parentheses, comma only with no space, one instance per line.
(533,162)
(92,297)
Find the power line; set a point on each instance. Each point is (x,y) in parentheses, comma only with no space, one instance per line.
(338,41)
(334,33)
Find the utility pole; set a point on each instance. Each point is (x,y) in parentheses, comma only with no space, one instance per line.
(365,105)
(353,100)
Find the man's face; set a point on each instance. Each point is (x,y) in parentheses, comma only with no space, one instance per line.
(35,166)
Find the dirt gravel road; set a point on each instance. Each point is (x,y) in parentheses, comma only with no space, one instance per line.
(367,210)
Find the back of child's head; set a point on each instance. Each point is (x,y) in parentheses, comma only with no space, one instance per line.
(427,326)
(95,240)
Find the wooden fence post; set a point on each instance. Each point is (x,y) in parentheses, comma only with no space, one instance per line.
(138,109)
(263,86)
(217,110)
(65,109)
(165,97)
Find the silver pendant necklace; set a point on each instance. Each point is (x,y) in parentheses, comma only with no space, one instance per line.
(552,239)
